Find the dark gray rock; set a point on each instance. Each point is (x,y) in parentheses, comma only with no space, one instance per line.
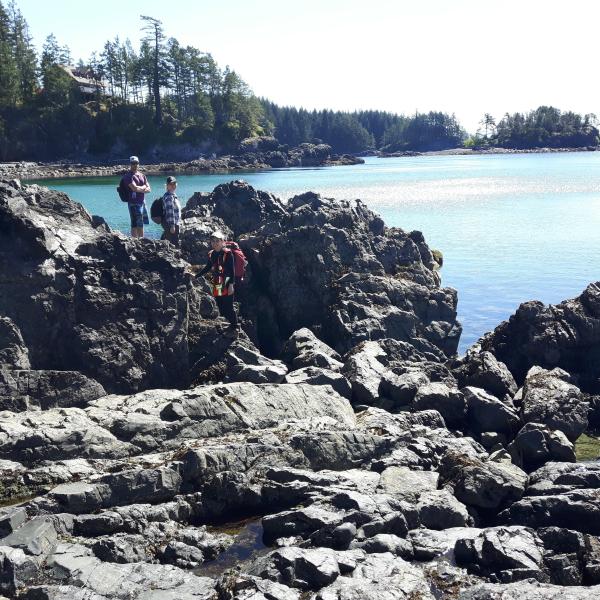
(536,444)
(485,413)
(564,335)
(13,351)
(483,370)
(24,390)
(439,509)
(483,484)
(247,364)
(299,568)
(305,349)
(450,403)
(552,401)
(36,537)
(578,510)
(319,376)
(386,542)
(506,553)
(18,569)
(11,518)
(530,590)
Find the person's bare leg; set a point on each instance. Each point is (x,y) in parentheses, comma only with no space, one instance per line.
(137,232)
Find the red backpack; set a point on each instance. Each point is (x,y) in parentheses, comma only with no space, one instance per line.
(239,260)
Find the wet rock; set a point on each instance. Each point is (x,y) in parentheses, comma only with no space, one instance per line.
(536,444)
(552,401)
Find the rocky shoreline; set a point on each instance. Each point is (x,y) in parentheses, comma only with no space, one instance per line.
(364,459)
(259,157)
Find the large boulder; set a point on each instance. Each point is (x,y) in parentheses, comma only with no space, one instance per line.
(565,335)
(550,399)
(124,312)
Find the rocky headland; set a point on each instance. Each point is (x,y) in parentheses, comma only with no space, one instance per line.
(337,449)
(253,154)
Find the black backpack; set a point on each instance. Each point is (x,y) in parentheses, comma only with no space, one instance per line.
(123,191)
(157,211)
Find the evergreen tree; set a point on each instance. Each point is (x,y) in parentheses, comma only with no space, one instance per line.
(24,54)
(9,75)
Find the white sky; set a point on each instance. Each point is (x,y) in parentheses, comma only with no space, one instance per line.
(461,56)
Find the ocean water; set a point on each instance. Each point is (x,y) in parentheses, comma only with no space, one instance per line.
(511,228)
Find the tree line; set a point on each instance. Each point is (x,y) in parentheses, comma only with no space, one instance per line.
(167,94)
(544,127)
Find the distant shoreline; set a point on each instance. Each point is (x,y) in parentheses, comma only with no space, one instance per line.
(28,170)
(475,151)
(225,164)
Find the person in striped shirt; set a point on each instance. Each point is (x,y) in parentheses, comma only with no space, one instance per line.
(171,213)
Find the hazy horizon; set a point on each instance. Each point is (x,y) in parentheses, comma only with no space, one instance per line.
(463,57)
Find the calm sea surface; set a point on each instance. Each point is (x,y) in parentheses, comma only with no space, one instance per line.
(511,227)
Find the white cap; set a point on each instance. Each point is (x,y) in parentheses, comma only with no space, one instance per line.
(134,159)
(218,235)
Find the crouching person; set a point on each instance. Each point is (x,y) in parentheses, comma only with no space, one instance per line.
(221,265)
(171,218)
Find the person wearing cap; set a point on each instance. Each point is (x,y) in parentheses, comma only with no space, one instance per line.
(171,213)
(138,188)
(222,267)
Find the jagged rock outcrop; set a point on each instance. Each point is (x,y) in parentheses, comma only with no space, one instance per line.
(334,267)
(565,335)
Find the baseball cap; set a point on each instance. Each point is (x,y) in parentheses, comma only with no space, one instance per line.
(217,235)
(171,179)
(134,159)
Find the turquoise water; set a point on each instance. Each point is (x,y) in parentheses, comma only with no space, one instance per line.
(512,228)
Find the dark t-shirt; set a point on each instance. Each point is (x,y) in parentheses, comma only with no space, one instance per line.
(140,180)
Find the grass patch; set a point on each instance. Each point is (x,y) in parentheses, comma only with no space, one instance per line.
(587,447)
